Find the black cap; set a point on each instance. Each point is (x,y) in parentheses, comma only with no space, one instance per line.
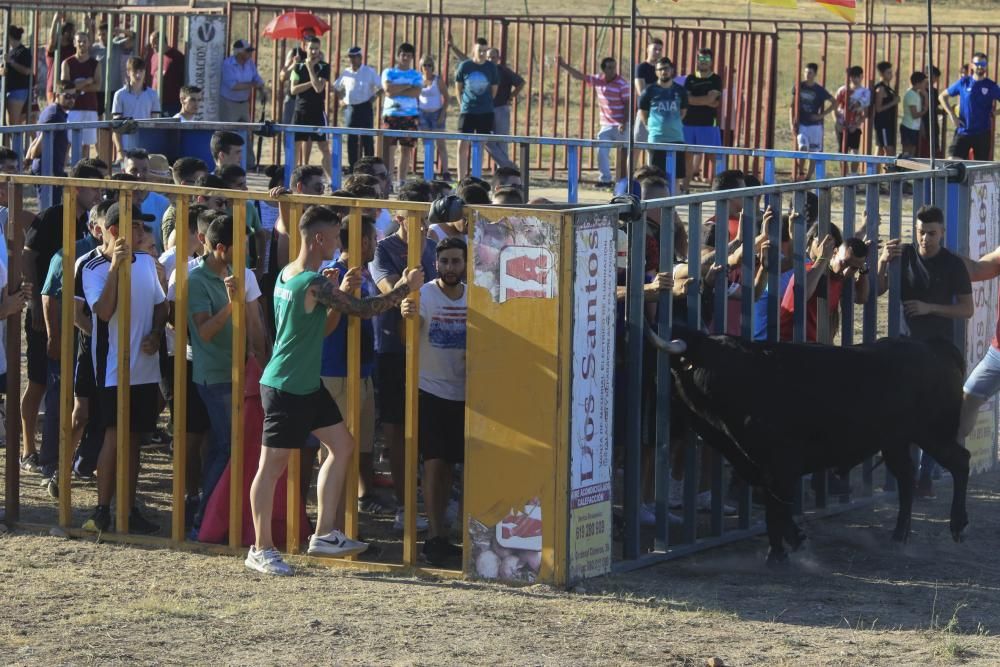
(113,213)
(242,45)
(354,51)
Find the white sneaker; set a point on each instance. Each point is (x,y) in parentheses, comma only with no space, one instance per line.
(705,504)
(334,543)
(647,516)
(267,561)
(422,523)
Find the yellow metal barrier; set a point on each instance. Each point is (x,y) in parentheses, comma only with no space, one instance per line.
(519,402)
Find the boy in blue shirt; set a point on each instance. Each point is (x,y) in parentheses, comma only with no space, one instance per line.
(973,125)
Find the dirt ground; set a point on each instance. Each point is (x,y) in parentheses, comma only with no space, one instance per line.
(850,599)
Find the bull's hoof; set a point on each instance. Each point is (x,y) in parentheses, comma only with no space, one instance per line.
(777,558)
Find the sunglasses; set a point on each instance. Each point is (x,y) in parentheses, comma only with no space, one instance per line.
(979,63)
(426,65)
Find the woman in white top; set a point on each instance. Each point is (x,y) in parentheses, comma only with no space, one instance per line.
(433,103)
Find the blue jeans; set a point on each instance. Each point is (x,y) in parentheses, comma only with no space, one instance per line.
(218,400)
(48,456)
(607,133)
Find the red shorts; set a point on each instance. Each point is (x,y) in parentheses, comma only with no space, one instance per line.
(402,123)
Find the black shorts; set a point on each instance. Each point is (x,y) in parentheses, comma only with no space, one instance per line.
(475,123)
(390,385)
(850,139)
(442,428)
(315,137)
(38,358)
(85,384)
(885,135)
(659,158)
(143,409)
(979,144)
(290,418)
(197,413)
(909,137)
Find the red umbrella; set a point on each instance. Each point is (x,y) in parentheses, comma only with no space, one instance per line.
(291,24)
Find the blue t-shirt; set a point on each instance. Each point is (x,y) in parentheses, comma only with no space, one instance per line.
(390,260)
(402,105)
(664,106)
(335,345)
(55,115)
(53,285)
(760,306)
(477,79)
(811,100)
(156,205)
(975,104)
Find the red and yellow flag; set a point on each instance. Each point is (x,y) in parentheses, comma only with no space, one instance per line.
(845,9)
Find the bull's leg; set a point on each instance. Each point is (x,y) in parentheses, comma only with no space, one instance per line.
(955,459)
(776,511)
(897,459)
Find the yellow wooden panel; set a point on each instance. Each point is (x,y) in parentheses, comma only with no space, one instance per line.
(353,384)
(124,313)
(238,377)
(66,358)
(179,409)
(294,499)
(411,422)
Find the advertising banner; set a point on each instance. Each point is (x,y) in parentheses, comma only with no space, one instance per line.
(984,237)
(592,398)
(205,53)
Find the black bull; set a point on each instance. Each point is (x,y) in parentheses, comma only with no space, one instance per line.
(777,411)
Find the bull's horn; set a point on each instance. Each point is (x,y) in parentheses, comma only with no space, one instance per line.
(675,346)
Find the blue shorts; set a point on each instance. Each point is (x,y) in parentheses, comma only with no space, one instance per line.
(702,135)
(984,380)
(431,121)
(17,95)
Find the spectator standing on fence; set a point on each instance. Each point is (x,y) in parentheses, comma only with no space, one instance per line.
(60,40)
(387,268)
(56,113)
(853,100)
(701,124)
(914,109)
(401,111)
(147,318)
(433,103)
(884,109)
(41,241)
(239,78)
(173,73)
(358,85)
(82,70)
(441,313)
(134,100)
(973,125)
(16,71)
(663,107)
(645,75)
(476,83)
(191,98)
(833,261)
(811,103)
(308,85)
(935,291)
(334,372)
(612,92)
(295,402)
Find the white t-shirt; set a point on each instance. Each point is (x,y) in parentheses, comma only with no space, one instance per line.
(146,294)
(249,280)
(169,259)
(442,343)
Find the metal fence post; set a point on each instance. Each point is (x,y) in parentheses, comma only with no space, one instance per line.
(634,322)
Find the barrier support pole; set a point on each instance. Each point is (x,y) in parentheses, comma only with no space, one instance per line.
(573,173)
(76,142)
(428,160)
(664,324)
(12,468)
(353,384)
(525,165)
(66,358)
(239,317)
(124,426)
(293,521)
(336,160)
(411,422)
(179,410)
(689,529)
(289,138)
(476,159)
(634,321)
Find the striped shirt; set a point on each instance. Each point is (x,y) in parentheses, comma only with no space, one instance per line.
(613,98)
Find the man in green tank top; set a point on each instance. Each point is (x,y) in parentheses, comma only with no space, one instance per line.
(295,402)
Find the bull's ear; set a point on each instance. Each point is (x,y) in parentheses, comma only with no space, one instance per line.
(677,346)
